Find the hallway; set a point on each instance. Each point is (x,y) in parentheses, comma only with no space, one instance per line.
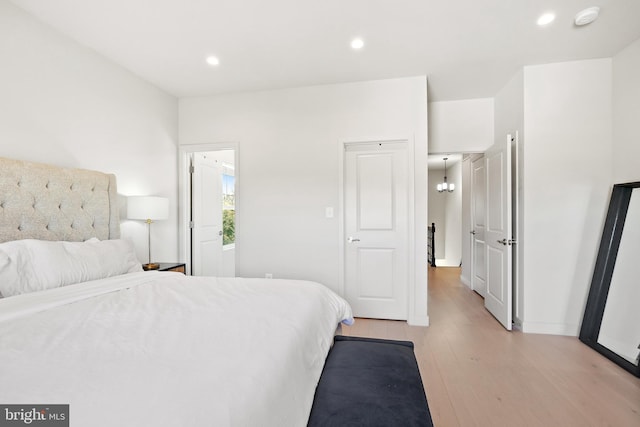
(478,374)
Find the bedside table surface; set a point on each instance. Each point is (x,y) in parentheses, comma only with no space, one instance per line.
(166,266)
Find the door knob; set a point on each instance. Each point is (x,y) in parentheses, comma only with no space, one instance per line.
(503,241)
(351,239)
(473,232)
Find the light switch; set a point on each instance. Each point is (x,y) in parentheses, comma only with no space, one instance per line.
(328,212)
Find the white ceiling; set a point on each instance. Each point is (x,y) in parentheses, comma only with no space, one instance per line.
(468,48)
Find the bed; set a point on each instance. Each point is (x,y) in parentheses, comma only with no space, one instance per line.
(82,324)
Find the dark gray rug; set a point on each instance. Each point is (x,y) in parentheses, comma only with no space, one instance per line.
(370,382)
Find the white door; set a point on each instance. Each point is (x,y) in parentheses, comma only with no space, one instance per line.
(498,232)
(376,229)
(478,194)
(206,237)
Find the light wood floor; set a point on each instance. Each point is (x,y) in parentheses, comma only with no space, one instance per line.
(476,373)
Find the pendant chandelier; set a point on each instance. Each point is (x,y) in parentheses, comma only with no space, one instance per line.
(444,186)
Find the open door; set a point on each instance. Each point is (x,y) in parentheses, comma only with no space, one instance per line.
(498,233)
(206,238)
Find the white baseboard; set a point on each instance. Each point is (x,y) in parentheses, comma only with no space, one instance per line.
(465,281)
(550,328)
(419,321)
(447,263)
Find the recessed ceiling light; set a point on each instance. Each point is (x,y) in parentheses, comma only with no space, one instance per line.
(213,61)
(546,19)
(587,16)
(357,44)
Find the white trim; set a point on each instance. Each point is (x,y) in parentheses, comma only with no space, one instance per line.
(447,262)
(465,281)
(419,321)
(340,214)
(550,328)
(419,282)
(412,318)
(184,196)
(515,231)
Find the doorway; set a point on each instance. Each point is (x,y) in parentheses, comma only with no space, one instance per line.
(459,214)
(490,203)
(445,207)
(208,206)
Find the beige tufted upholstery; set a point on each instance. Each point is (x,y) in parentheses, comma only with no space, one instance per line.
(45,202)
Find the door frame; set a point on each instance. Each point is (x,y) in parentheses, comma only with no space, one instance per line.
(467,220)
(184,193)
(411,221)
(518,301)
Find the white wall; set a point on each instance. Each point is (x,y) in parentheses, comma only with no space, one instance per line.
(626,111)
(509,118)
(464,126)
(63,104)
(567,171)
(289,167)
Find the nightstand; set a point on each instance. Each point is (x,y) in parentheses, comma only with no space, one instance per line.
(171,266)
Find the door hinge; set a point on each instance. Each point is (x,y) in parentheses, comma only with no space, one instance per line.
(512,241)
(192,169)
(191,225)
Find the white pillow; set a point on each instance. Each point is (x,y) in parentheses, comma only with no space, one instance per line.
(34,265)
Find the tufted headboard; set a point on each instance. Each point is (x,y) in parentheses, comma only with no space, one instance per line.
(45,202)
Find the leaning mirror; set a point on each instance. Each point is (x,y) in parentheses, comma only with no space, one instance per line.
(611,323)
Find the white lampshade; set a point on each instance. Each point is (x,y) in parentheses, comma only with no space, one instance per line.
(147,207)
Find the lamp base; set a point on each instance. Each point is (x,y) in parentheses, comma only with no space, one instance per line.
(150,266)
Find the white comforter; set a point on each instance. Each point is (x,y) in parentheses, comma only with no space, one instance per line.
(163,349)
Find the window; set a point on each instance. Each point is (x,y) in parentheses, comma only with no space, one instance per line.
(228,205)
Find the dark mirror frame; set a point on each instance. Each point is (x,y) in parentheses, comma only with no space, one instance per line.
(603,271)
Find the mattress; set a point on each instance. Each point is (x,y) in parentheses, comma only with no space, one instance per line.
(164,349)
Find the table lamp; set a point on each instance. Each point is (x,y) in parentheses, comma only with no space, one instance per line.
(149,209)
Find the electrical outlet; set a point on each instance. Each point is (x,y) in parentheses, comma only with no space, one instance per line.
(268,275)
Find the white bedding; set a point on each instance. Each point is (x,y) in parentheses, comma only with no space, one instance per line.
(164,349)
